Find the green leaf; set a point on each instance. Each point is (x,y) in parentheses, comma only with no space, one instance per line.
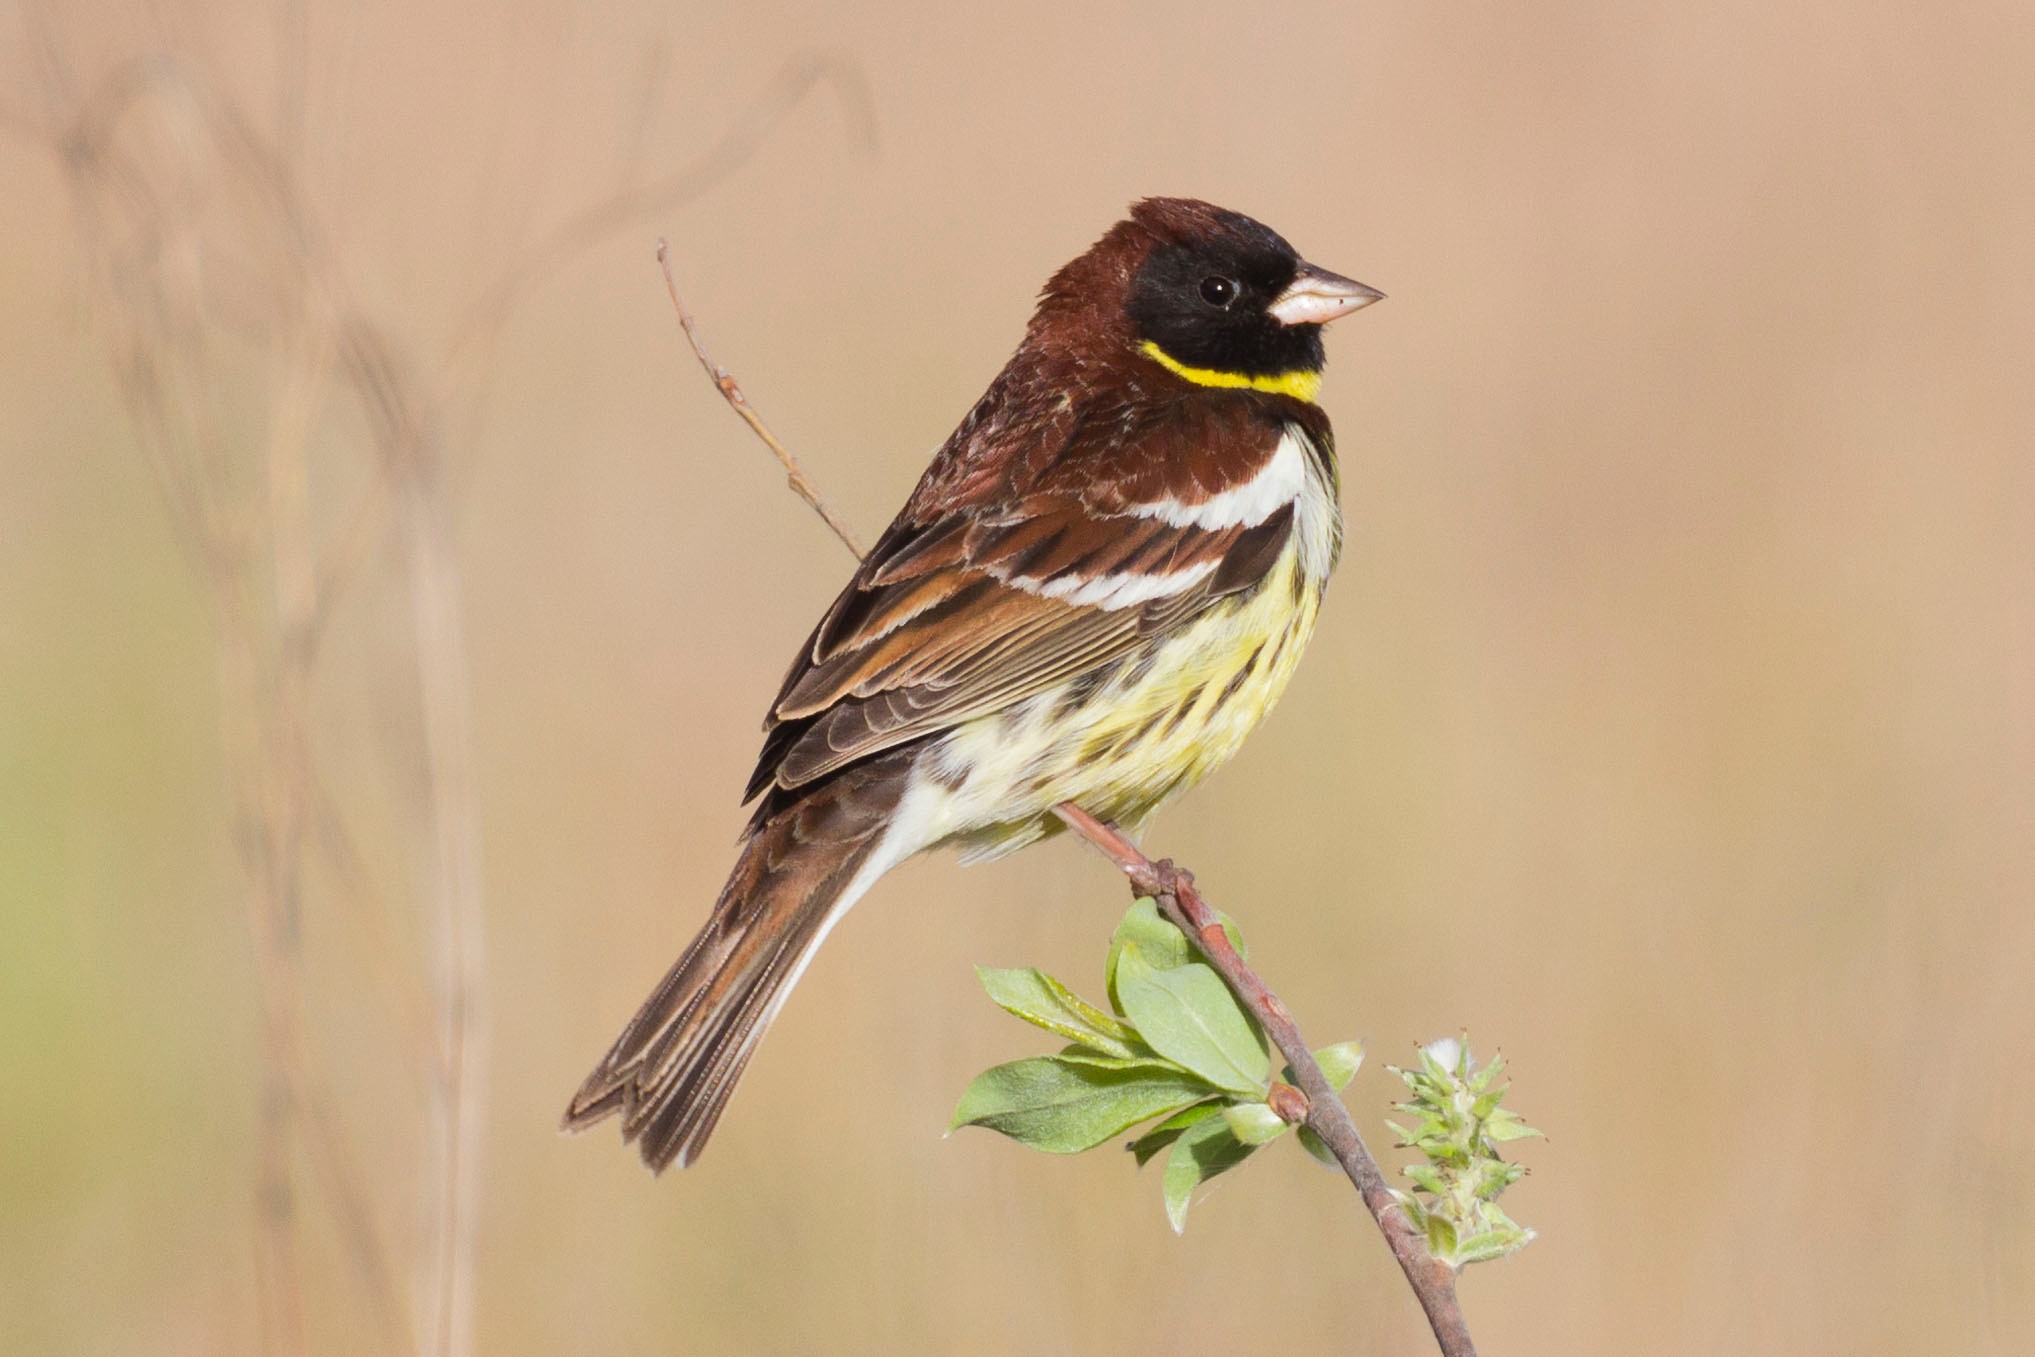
(1505,1126)
(1495,1177)
(1339,1063)
(1064,1106)
(1426,1178)
(1187,1014)
(1154,934)
(1415,1209)
(1441,1236)
(1150,932)
(1254,1123)
(1042,1001)
(1168,1131)
(1202,1151)
(1490,1245)
(1315,1146)
(1144,1059)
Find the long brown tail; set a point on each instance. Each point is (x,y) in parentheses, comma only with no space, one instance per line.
(672,1069)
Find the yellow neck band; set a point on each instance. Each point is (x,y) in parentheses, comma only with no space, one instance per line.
(1299,384)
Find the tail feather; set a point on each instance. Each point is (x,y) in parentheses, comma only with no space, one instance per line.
(670,1073)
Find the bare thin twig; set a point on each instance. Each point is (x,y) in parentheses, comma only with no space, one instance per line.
(1173,889)
(724,381)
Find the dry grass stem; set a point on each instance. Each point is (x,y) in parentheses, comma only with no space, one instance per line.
(633,202)
(286,330)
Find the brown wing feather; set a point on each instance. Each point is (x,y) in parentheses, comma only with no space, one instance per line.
(933,630)
(1000,645)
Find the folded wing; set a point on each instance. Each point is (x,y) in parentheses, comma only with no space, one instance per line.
(967,612)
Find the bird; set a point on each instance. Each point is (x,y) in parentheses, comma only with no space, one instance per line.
(1101,583)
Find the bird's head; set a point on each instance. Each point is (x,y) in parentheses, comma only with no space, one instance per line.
(1208,294)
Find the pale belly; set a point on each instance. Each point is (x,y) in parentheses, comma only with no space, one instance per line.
(1122,741)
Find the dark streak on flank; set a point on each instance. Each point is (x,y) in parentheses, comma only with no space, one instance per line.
(1180,713)
(1144,730)
(1279,650)
(1229,690)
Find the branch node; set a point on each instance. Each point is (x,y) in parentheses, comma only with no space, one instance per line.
(1288,1103)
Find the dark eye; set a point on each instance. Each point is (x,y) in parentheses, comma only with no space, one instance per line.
(1219,292)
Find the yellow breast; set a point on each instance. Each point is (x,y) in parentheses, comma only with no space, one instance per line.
(1123,742)
(1162,726)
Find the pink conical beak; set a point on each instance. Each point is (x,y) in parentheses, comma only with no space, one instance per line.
(1316,297)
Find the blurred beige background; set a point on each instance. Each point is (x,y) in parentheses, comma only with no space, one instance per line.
(1669,725)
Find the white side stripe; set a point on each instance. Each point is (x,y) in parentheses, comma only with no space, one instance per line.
(1275,486)
(1119,590)
(1286,479)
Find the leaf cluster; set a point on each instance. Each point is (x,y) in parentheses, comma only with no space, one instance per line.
(1454,1119)
(1174,1048)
